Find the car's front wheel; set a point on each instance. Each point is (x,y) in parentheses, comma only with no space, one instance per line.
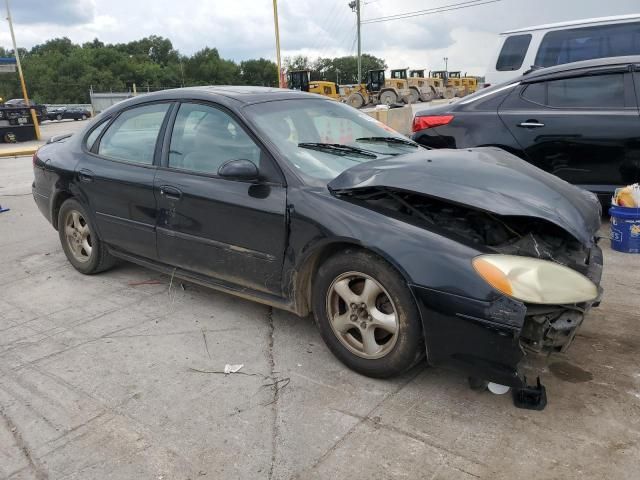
(84,250)
(366,314)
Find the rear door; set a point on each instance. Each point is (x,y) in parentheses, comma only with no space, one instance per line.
(116,177)
(221,228)
(585,129)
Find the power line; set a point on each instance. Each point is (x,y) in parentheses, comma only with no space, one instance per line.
(443,8)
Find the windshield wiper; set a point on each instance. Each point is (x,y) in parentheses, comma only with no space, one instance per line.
(396,140)
(337,149)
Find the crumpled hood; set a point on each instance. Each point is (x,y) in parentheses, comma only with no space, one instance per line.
(488,179)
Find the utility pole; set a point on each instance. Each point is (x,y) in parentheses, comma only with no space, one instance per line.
(275,21)
(446,64)
(355,7)
(34,117)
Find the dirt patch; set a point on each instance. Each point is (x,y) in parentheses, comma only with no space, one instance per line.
(570,373)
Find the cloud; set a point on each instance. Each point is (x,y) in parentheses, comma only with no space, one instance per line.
(244,29)
(53,12)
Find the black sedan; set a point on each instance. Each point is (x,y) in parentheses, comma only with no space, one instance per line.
(305,204)
(579,121)
(65,113)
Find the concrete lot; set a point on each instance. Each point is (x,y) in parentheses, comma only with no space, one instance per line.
(102,377)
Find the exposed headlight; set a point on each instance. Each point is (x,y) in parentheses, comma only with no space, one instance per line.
(533,280)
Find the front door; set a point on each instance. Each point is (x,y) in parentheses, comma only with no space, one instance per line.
(116,178)
(230,230)
(584,129)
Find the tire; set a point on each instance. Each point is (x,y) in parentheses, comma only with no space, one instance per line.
(356,100)
(84,250)
(388,98)
(414,96)
(449,93)
(84,117)
(58,117)
(363,338)
(428,96)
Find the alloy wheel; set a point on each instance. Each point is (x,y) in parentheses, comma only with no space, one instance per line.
(362,315)
(78,236)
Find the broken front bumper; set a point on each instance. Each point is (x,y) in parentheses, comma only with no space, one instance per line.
(488,340)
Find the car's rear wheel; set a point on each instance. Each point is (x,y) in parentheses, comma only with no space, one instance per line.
(84,117)
(58,117)
(84,250)
(366,314)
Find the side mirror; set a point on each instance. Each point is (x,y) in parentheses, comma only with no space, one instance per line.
(240,169)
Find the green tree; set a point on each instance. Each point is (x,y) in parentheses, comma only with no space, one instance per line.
(260,72)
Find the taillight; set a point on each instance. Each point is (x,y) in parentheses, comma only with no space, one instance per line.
(430,121)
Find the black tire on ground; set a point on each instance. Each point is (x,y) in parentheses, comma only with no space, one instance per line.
(409,345)
(388,98)
(99,260)
(356,100)
(84,117)
(58,117)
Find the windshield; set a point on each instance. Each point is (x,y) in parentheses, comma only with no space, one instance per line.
(308,131)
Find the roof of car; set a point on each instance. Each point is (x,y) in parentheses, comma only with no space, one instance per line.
(582,22)
(241,93)
(585,64)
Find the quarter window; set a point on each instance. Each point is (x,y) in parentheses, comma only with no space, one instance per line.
(598,91)
(513,52)
(205,137)
(133,135)
(95,133)
(536,93)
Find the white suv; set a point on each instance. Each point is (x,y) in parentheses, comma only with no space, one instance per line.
(559,43)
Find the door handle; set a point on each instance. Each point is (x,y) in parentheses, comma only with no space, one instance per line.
(85,175)
(531,124)
(170,192)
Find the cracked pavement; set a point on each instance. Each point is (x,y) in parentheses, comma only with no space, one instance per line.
(102,377)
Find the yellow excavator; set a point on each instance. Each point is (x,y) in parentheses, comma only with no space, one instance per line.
(301,80)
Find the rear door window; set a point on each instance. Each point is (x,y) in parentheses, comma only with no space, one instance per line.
(573,45)
(597,91)
(513,52)
(133,135)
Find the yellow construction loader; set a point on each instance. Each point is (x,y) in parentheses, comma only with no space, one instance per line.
(470,84)
(300,80)
(450,90)
(377,90)
(428,88)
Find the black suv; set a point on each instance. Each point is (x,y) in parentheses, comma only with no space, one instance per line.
(579,121)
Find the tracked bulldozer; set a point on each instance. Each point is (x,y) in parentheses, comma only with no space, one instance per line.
(301,80)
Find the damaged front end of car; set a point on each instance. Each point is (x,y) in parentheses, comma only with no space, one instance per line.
(544,269)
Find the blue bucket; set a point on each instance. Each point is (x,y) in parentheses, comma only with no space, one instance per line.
(625,229)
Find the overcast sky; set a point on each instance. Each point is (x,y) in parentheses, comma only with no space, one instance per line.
(243,29)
